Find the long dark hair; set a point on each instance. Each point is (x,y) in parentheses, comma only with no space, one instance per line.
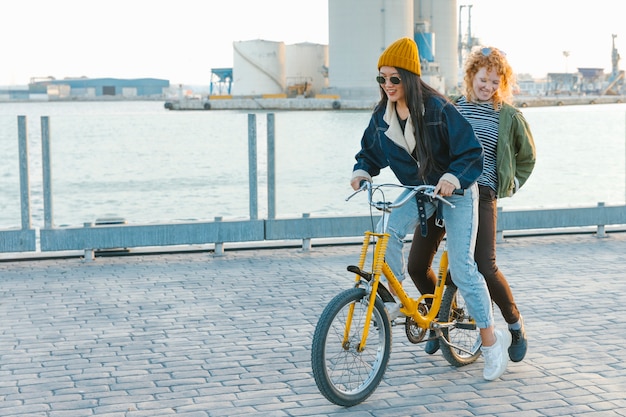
(416,93)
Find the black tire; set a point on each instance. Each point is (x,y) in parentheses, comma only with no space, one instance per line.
(344,375)
(465,335)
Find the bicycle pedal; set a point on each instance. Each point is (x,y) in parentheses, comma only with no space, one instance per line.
(465,326)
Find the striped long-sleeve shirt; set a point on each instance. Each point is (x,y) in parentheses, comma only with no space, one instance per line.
(484,121)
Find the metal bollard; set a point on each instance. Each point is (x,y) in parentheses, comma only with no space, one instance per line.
(499,231)
(219,246)
(601,232)
(306,242)
(89,253)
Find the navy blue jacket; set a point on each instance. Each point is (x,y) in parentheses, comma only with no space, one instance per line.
(452,139)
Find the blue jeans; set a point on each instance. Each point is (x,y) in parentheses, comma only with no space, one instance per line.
(461,227)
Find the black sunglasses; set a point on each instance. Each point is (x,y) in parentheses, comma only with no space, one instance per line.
(393,79)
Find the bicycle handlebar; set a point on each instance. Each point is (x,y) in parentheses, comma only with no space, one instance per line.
(424,189)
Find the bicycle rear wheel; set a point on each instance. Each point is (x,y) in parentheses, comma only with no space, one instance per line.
(464,338)
(343,374)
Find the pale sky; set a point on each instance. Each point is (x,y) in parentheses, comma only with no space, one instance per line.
(182,40)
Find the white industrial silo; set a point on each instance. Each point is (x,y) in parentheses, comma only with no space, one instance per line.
(359,31)
(440,16)
(306,69)
(258,68)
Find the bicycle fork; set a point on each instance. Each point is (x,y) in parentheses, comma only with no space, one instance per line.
(379,257)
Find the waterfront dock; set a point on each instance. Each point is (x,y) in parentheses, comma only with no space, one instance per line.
(195,334)
(336,103)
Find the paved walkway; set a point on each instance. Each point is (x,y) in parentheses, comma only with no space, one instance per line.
(192,334)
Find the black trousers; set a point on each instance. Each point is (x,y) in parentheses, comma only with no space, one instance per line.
(424,249)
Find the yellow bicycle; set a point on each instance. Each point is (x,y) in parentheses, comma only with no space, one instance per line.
(352,340)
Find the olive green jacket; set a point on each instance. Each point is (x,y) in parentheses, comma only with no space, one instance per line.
(515,152)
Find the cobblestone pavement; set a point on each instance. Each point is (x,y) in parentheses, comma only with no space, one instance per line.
(194,334)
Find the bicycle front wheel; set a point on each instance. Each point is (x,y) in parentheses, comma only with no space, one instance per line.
(464,338)
(345,374)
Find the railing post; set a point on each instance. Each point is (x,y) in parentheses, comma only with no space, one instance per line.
(47,172)
(499,231)
(252,167)
(22,136)
(89,252)
(219,246)
(271,167)
(306,242)
(601,230)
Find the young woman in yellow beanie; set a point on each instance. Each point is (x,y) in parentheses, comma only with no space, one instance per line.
(421,136)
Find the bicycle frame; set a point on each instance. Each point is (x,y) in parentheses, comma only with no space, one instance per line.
(379,266)
(409,304)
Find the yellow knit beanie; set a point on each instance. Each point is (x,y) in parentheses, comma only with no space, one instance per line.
(401,54)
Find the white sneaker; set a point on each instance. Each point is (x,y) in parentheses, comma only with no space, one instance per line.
(496,356)
(393,309)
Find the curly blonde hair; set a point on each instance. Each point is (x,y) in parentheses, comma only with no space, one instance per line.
(493,59)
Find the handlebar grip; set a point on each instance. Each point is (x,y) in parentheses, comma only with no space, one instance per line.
(459,191)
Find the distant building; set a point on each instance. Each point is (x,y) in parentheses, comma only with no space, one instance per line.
(14,93)
(49,88)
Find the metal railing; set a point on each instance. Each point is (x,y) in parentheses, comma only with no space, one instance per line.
(92,237)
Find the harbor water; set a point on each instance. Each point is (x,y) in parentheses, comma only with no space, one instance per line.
(138,161)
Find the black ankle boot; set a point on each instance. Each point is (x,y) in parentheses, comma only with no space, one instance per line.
(432,345)
(519,345)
